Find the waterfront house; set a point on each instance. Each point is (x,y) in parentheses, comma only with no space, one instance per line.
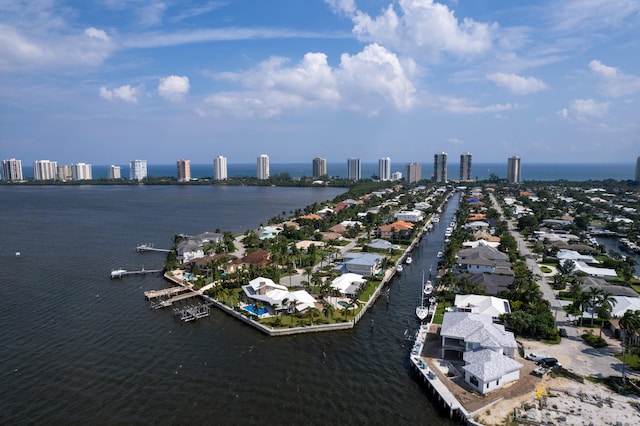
(485,305)
(486,348)
(189,249)
(367,264)
(348,284)
(482,259)
(273,296)
(412,216)
(493,283)
(380,244)
(396,230)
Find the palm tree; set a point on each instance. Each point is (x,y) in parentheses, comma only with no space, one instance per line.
(581,303)
(594,296)
(285,303)
(313,311)
(328,310)
(630,323)
(606,302)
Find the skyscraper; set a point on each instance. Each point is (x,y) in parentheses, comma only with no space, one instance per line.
(638,170)
(115,172)
(64,172)
(319,166)
(137,170)
(45,170)
(353,168)
(263,167)
(81,171)
(513,169)
(440,167)
(12,170)
(413,172)
(384,168)
(220,168)
(184,170)
(465,166)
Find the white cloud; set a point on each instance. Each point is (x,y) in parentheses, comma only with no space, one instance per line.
(19,50)
(583,109)
(466,106)
(614,82)
(152,13)
(421,28)
(96,33)
(517,84)
(368,81)
(126,93)
(592,15)
(455,141)
(174,88)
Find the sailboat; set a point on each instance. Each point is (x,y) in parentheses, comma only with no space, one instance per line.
(421,310)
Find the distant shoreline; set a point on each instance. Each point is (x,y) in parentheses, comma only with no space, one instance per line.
(481,171)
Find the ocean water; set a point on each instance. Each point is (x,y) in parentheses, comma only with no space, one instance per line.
(80,348)
(480,171)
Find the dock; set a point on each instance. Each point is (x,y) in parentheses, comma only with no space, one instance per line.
(154,294)
(119,273)
(192,313)
(150,247)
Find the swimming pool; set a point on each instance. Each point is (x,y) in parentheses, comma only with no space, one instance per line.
(253,310)
(344,304)
(189,276)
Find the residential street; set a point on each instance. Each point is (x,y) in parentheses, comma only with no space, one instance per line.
(572,352)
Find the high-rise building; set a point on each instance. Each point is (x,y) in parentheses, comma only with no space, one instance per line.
(384,168)
(12,170)
(396,175)
(353,168)
(413,172)
(184,170)
(465,166)
(220,168)
(513,169)
(81,171)
(65,173)
(440,167)
(138,170)
(638,170)
(263,167)
(45,170)
(114,172)
(319,166)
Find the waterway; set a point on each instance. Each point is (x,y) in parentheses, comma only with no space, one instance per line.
(80,348)
(611,244)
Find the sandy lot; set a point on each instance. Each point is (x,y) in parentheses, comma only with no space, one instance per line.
(567,403)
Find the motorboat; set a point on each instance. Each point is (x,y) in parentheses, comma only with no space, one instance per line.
(408,260)
(421,310)
(427,288)
(439,254)
(399,268)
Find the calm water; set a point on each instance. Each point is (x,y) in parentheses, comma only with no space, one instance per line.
(481,171)
(79,348)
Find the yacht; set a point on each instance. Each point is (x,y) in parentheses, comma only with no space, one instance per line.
(421,310)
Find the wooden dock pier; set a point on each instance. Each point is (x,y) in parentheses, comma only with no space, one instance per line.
(150,247)
(154,294)
(119,273)
(192,313)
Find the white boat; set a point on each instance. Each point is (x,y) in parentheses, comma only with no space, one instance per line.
(408,260)
(421,310)
(428,288)
(399,268)
(439,254)
(117,273)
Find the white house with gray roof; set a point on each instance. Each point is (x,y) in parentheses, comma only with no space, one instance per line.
(367,264)
(472,337)
(479,304)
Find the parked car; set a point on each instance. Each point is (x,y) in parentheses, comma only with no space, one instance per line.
(562,332)
(536,357)
(549,362)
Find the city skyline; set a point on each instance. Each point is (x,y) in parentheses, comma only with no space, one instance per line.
(107,81)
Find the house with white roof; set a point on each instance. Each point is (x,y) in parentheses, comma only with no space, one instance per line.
(591,270)
(412,216)
(483,259)
(348,284)
(486,347)
(575,256)
(272,296)
(478,304)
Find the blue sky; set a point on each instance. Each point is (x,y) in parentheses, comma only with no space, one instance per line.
(108,81)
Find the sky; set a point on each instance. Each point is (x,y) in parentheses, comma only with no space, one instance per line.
(109,81)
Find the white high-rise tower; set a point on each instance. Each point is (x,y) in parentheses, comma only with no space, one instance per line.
(263,167)
(220,168)
(384,168)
